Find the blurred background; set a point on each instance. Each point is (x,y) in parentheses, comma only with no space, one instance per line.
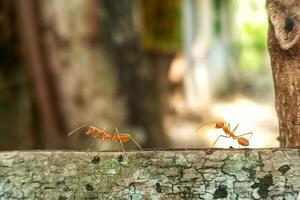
(154,69)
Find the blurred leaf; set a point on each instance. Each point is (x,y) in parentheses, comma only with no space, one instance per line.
(162,25)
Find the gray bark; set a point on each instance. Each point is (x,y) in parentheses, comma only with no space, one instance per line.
(181,174)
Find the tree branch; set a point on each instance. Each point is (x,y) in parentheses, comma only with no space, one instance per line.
(180,174)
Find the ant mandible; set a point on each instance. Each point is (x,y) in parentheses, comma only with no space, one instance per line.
(229,133)
(103,136)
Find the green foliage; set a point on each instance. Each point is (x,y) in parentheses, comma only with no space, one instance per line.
(253,46)
(251,34)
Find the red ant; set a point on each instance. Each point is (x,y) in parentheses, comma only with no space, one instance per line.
(229,134)
(103,136)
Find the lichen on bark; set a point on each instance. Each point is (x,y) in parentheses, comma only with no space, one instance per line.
(182,174)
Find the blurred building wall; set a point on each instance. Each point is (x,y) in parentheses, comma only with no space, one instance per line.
(207,27)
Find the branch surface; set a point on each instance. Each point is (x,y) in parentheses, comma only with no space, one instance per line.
(177,174)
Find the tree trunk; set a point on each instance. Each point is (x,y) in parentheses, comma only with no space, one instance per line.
(182,174)
(138,79)
(84,85)
(15,100)
(38,67)
(284,49)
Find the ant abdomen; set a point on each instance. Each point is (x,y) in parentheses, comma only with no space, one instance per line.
(243,141)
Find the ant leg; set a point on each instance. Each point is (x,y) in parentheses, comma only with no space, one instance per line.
(228,126)
(250,136)
(93,146)
(113,135)
(203,124)
(233,130)
(100,144)
(90,147)
(250,133)
(218,139)
(78,128)
(136,143)
(116,130)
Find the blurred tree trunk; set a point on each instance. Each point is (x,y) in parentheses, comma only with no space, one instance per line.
(85,84)
(284,49)
(161,37)
(138,78)
(15,100)
(62,53)
(72,84)
(39,68)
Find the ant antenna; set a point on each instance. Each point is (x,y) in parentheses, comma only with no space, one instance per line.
(203,124)
(80,127)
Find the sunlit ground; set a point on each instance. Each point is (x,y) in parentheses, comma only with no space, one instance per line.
(259,118)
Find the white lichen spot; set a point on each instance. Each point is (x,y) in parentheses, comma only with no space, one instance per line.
(180,160)
(207,196)
(46,172)
(7,162)
(255,193)
(138,195)
(111,171)
(69,170)
(141,175)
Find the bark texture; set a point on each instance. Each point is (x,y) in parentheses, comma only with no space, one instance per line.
(183,174)
(284,49)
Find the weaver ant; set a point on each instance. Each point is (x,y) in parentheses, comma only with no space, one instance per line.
(229,133)
(103,136)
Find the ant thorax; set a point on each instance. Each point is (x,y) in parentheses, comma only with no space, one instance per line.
(101,134)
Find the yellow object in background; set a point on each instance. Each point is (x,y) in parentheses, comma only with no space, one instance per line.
(162,29)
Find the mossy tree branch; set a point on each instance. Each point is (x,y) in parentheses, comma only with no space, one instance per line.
(181,174)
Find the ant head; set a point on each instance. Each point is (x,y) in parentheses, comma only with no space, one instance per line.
(92,131)
(220,125)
